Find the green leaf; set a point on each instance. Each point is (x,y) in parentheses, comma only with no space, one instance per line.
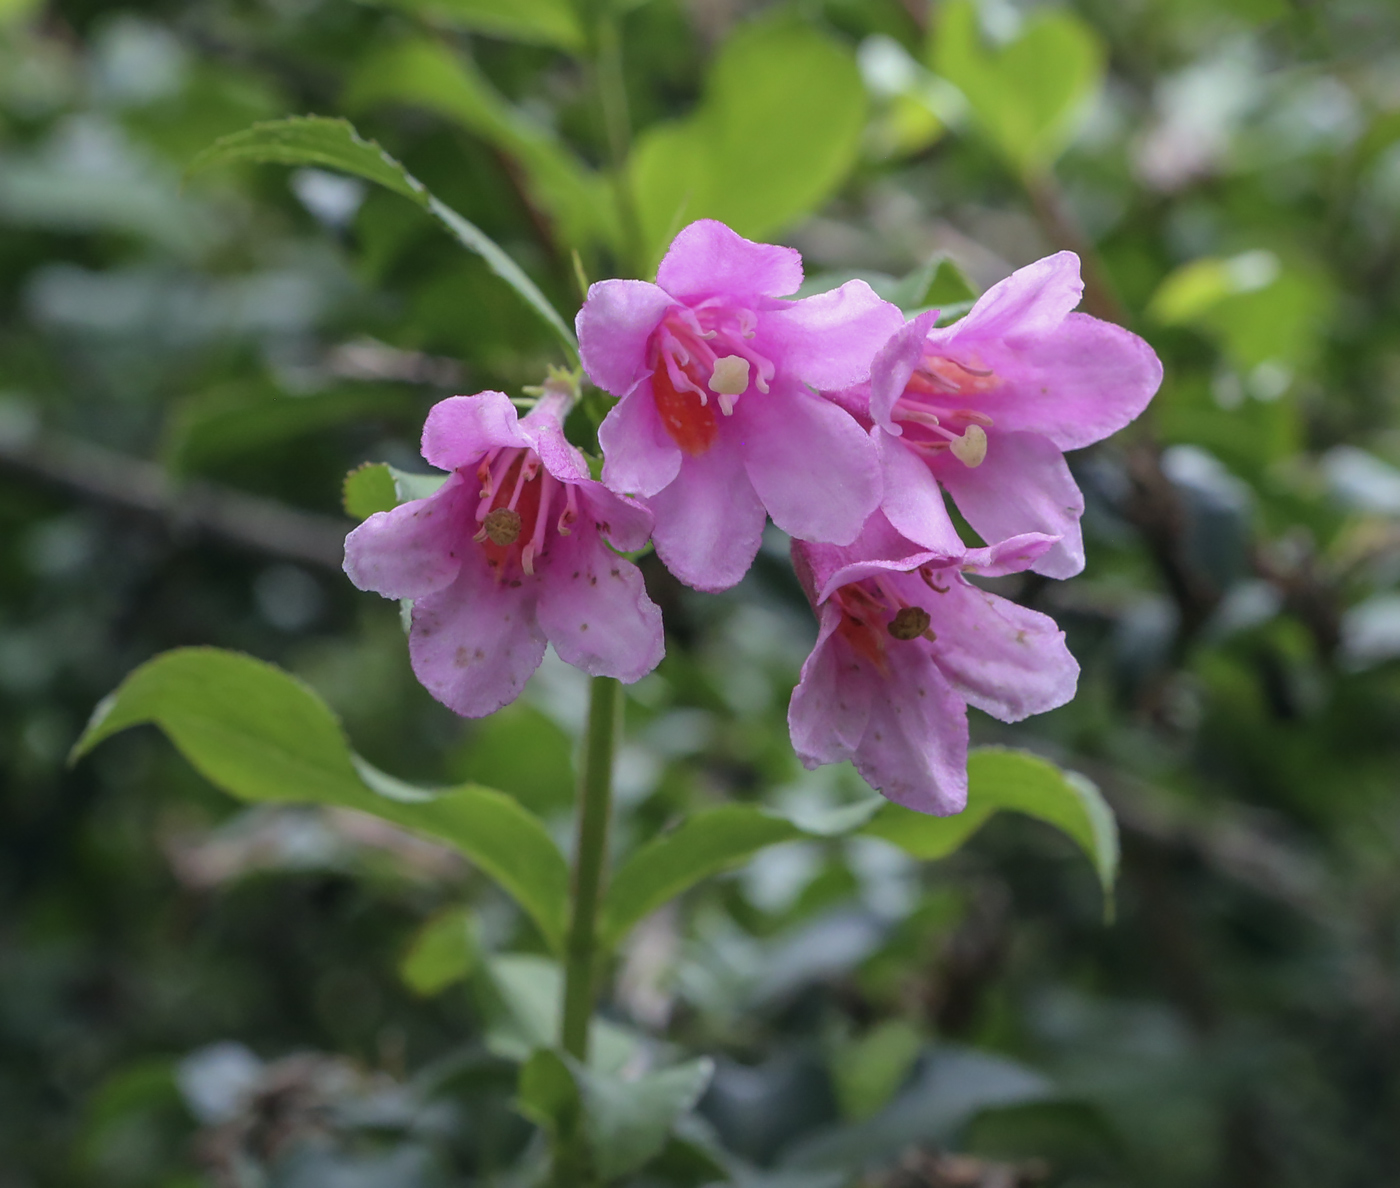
(1000,779)
(867,1071)
(367,489)
(939,282)
(548,1095)
(263,735)
(536,22)
(1028,95)
(774,136)
(334,144)
(701,846)
(628,1122)
(443,952)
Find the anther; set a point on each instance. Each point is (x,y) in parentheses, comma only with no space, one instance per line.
(971,447)
(730,376)
(502,526)
(909,622)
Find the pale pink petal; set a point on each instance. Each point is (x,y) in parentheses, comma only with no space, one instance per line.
(624,523)
(814,469)
(462,428)
(1023,485)
(1016,554)
(709,522)
(613,327)
(830,707)
(594,608)
(564,460)
(1078,386)
(915,747)
(912,502)
(707,259)
(829,340)
(639,456)
(892,366)
(475,643)
(416,548)
(1004,659)
(1026,306)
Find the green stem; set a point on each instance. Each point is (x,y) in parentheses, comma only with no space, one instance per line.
(590,863)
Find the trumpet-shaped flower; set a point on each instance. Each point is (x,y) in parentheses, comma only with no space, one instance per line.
(986,407)
(717,419)
(509,554)
(905,644)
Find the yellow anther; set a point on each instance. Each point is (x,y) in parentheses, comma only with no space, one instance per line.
(730,376)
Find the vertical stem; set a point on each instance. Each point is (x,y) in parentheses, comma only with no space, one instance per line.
(590,862)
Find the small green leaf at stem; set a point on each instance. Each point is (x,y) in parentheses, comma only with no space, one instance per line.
(367,489)
(443,951)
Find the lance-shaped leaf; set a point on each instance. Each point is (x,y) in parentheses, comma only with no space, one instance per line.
(263,735)
(334,144)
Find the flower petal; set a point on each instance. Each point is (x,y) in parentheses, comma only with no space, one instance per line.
(1004,659)
(475,643)
(912,502)
(624,523)
(892,366)
(462,428)
(416,548)
(709,522)
(639,456)
(1079,385)
(831,704)
(1027,305)
(914,751)
(1016,554)
(613,328)
(708,259)
(594,608)
(829,340)
(815,470)
(1023,485)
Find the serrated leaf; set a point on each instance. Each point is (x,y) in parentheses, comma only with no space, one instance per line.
(334,144)
(1028,95)
(442,952)
(262,735)
(367,489)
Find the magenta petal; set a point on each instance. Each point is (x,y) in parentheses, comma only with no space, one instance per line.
(1078,386)
(416,548)
(624,523)
(894,363)
(1023,485)
(912,502)
(462,428)
(594,608)
(709,522)
(475,643)
(708,259)
(915,747)
(639,456)
(815,470)
(613,328)
(829,340)
(1004,659)
(1027,305)
(830,707)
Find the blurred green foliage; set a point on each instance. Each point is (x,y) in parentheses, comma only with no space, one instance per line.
(193,989)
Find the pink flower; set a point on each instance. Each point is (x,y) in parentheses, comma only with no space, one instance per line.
(507,555)
(717,421)
(905,644)
(988,405)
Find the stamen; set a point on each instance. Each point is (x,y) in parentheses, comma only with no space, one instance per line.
(536,545)
(971,448)
(502,526)
(527,559)
(926,572)
(730,377)
(569,516)
(909,622)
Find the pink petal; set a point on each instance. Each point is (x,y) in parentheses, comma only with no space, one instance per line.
(912,502)
(1027,305)
(613,327)
(595,610)
(639,456)
(624,523)
(1078,386)
(1004,659)
(892,366)
(813,467)
(708,259)
(475,643)
(709,522)
(560,457)
(462,428)
(915,747)
(1023,485)
(831,704)
(1016,554)
(829,340)
(416,548)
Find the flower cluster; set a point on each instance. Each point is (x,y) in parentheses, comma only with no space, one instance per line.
(833,416)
